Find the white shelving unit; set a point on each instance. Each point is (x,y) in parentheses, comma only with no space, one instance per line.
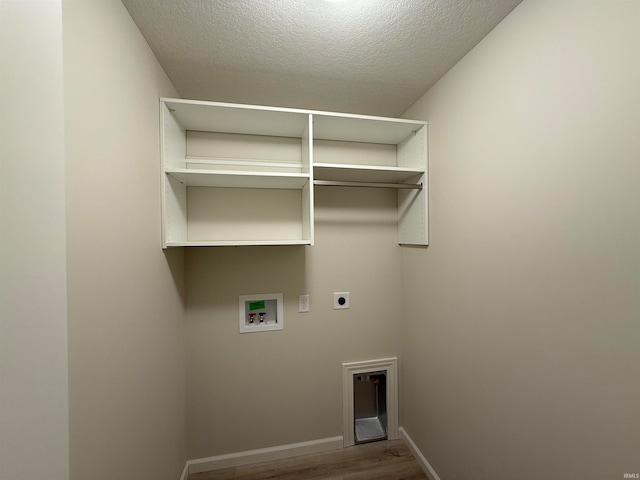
(244,174)
(235,175)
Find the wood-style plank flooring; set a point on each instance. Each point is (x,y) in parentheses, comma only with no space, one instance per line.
(386,460)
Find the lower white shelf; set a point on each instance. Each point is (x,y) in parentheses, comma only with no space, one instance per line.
(365,173)
(234,179)
(212,216)
(232,243)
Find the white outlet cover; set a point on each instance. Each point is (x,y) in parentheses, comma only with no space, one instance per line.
(303,303)
(340,300)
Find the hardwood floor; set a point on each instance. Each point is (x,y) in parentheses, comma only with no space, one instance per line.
(387,460)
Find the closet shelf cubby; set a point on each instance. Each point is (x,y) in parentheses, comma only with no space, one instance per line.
(244,174)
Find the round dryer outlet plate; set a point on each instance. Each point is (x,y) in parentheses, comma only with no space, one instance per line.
(340,300)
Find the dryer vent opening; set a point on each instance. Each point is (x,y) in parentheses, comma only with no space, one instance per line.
(370,401)
(370,407)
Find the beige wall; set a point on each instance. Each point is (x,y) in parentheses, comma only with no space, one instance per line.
(126,335)
(264,389)
(518,346)
(521,327)
(33,311)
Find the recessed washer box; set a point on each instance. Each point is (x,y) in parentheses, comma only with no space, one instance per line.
(261,312)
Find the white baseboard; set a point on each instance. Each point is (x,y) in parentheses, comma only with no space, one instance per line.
(262,455)
(422,461)
(292,450)
(185,472)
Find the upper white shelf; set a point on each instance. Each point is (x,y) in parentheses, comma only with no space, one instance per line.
(364,129)
(234,179)
(288,122)
(231,118)
(365,173)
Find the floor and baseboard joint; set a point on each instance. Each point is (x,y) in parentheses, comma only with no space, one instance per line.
(420,458)
(250,457)
(262,455)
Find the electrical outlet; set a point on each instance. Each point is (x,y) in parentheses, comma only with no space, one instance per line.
(303,303)
(340,300)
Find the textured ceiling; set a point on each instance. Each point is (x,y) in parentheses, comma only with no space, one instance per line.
(372,57)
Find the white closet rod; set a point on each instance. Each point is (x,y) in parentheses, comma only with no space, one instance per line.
(332,183)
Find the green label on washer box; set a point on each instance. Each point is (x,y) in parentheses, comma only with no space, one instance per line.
(256,305)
